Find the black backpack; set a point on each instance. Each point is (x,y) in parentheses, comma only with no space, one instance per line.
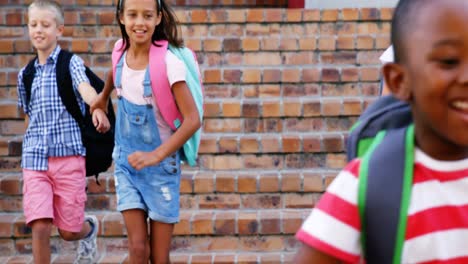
(98,146)
(382,138)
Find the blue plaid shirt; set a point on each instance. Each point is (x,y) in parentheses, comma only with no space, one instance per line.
(52,131)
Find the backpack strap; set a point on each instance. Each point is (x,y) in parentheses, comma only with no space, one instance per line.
(65,86)
(385,181)
(28,78)
(385,113)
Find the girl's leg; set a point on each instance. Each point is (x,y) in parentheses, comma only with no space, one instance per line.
(135,222)
(41,230)
(160,242)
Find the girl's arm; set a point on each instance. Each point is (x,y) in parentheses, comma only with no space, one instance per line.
(190,125)
(306,255)
(103,97)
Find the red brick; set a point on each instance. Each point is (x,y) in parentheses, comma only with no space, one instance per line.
(245,258)
(183,226)
(113,225)
(225,183)
(270,222)
(221,201)
(211,109)
(204,183)
(313,182)
(228,144)
(329,15)
(271,109)
(263,201)
(202,259)
(202,223)
(247,183)
(199,16)
(250,44)
(291,221)
(263,244)
(208,145)
(231,109)
(247,223)
(225,223)
(249,144)
(291,182)
(269,183)
(6,224)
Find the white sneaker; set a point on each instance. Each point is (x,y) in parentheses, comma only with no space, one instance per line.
(87,247)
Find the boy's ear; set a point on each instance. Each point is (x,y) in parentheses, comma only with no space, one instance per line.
(397,81)
(60,29)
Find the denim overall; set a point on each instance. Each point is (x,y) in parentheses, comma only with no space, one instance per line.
(154,189)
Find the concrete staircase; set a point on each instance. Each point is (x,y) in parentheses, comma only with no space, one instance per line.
(282,88)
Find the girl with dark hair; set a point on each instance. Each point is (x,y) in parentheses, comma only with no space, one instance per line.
(147,149)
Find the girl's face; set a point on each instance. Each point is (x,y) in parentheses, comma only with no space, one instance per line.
(43,29)
(140,19)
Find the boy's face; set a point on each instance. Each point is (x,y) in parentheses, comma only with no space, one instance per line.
(433,77)
(43,29)
(140,19)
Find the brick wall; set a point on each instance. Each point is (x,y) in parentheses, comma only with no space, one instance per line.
(282,88)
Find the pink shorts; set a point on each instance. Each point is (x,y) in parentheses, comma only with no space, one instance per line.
(58,193)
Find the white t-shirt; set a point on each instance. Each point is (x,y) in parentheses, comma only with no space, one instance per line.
(132,87)
(387,56)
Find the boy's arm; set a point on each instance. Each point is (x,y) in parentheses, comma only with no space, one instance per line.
(87,92)
(89,95)
(306,255)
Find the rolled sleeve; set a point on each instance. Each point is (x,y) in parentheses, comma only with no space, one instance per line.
(77,72)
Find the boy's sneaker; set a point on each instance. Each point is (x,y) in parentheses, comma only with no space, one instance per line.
(87,247)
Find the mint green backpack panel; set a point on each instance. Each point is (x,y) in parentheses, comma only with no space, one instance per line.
(195,85)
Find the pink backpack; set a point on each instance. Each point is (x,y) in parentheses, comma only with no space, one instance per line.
(162,92)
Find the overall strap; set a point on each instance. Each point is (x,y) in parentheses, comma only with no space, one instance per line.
(147,90)
(385,181)
(118,72)
(65,87)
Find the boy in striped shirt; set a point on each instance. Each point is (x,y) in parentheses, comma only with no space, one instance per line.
(430,40)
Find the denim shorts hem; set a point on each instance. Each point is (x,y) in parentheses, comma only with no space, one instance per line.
(159,218)
(124,207)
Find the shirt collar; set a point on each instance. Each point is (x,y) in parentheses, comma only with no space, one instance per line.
(52,57)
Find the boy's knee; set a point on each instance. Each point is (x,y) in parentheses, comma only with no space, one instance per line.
(68,236)
(41,228)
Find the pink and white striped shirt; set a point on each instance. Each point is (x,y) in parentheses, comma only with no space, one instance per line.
(437,229)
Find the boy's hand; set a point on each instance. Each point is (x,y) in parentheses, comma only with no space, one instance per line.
(100,121)
(140,159)
(100,102)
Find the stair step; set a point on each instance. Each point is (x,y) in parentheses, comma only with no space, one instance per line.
(209,182)
(203,190)
(215,223)
(181,246)
(176,258)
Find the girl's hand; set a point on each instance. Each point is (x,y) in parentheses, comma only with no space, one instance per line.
(100,121)
(140,159)
(99,103)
